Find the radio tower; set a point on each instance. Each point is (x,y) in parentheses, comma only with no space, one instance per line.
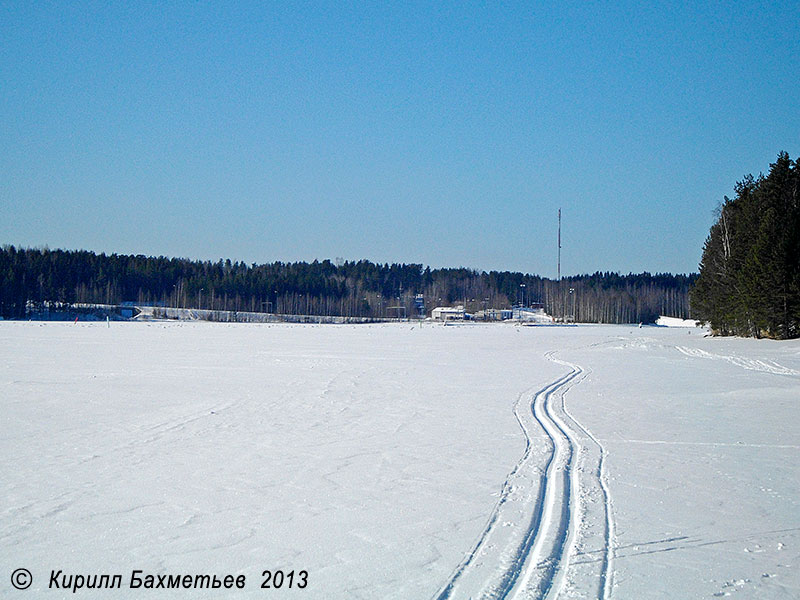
(559,244)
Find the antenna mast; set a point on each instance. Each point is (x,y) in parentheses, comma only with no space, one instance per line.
(559,244)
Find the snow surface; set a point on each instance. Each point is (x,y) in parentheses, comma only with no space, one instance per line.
(402,461)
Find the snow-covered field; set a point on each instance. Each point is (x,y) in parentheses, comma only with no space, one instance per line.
(401,461)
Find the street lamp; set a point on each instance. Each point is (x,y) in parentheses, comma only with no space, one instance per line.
(572,294)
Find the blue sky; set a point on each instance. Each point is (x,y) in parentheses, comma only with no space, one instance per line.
(442,133)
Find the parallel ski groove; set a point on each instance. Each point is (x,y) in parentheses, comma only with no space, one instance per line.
(532,537)
(547,553)
(607,569)
(543,488)
(510,574)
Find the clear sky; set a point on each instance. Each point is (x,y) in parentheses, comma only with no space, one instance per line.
(442,133)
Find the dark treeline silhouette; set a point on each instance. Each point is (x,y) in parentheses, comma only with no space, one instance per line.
(30,278)
(749,281)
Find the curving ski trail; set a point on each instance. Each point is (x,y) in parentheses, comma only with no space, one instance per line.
(527,545)
(597,461)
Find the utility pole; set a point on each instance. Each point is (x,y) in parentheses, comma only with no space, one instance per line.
(559,244)
(572,295)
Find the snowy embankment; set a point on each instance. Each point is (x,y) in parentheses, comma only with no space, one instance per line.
(399,461)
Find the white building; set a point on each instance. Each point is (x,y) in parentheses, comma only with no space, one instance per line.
(448,313)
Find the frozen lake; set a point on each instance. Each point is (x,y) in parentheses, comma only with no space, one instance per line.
(402,461)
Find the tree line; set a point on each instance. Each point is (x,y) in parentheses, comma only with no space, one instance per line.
(749,281)
(33,277)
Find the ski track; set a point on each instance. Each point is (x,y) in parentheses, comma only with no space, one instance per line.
(526,547)
(609,541)
(745,363)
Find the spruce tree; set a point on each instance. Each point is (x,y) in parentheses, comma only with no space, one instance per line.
(749,281)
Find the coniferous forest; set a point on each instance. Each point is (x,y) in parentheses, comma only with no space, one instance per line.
(31,278)
(749,282)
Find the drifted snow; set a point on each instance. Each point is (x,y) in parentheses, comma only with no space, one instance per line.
(676,322)
(373,456)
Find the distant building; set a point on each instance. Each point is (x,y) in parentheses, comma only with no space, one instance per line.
(494,314)
(448,313)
